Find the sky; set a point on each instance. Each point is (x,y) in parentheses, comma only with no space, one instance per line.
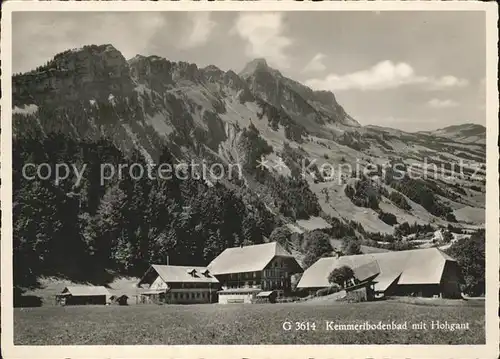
(409,70)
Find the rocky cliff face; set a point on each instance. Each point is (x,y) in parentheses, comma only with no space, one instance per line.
(92,72)
(148,101)
(306,106)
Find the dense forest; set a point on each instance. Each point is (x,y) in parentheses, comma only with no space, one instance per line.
(123,224)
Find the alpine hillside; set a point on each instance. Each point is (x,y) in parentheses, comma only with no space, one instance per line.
(93,106)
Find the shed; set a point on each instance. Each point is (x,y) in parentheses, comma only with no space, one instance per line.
(80,295)
(119,299)
(266,297)
(237,295)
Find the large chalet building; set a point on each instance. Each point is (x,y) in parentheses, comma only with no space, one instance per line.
(178,285)
(425,272)
(244,271)
(237,275)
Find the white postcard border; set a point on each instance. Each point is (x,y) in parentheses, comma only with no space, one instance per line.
(490,350)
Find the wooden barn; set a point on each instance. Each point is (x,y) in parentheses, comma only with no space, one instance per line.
(266,297)
(425,272)
(81,295)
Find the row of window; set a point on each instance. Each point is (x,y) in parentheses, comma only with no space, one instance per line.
(190,285)
(275,272)
(245,284)
(192,295)
(247,275)
(272,272)
(271,284)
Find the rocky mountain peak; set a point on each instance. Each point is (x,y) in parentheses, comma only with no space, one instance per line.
(325,97)
(212,73)
(256,65)
(93,71)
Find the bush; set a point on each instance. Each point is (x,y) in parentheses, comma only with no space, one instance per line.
(447,237)
(450,217)
(470,255)
(424,193)
(340,275)
(399,200)
(454,229)
(351,246)
(405,229)
(317,246)
(388,218)
(363,194)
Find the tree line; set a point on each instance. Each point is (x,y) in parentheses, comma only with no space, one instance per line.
(124,225)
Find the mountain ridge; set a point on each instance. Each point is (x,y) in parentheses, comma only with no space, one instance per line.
(466,132)
(293,145)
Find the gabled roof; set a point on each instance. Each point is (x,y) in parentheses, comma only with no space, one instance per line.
(417,266)
(249,258)
(176,274)
(367,271)
(265,294)
(87,290)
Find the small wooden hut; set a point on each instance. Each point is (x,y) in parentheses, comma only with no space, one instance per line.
(82,295)
(119,299)
(266,297)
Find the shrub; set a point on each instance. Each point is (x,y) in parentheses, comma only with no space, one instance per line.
(317,246)
(340,275)
(399,200)
(450,217)
(447,237)
(454,229)
(470,255)
(405,229)
(351,246)
(363,194)
(388,218)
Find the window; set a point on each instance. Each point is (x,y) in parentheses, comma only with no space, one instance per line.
(255,274)
(192,295)
(174,295)
(181,296)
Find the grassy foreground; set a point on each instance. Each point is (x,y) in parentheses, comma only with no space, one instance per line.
(241,324)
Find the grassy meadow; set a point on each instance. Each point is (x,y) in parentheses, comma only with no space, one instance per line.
(242,324)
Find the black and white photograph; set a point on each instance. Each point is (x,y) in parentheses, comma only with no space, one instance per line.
(249,174)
